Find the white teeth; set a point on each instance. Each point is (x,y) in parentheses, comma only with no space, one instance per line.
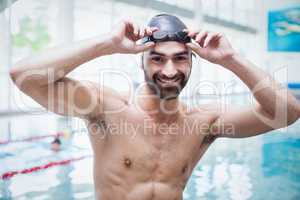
(168,81)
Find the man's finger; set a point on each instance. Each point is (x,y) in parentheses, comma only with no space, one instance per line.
(209,38)
(196,48)
(148,31)
(192,33)
(219,35)
(142,33)
(136,29)
(152,30)
(129,26)
(201,37)
(144,47)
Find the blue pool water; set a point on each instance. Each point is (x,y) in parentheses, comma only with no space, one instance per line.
(261,167)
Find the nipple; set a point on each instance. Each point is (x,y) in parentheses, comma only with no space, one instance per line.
(127,162)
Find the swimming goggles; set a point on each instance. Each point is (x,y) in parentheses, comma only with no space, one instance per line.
(162,36)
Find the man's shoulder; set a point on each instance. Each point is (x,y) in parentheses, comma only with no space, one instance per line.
(110,93)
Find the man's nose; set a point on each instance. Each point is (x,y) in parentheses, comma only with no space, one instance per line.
(169,70)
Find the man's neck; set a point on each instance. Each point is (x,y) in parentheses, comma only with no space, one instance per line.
(161,110)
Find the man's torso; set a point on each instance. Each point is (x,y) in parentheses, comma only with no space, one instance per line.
(136,157)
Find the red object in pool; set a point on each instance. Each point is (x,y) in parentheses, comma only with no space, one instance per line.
(10,174)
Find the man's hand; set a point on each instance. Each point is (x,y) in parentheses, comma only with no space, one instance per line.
(211,46)
(126,35)
(276,107)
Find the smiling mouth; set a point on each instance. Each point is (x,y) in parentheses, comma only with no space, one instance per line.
(168,81)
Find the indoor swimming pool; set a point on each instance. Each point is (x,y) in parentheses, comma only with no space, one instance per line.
(55,56)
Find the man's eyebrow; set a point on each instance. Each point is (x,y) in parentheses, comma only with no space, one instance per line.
(181,53)
(162,54)
(156,53)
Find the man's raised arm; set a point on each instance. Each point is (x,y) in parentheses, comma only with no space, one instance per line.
(43,76)
(276,107)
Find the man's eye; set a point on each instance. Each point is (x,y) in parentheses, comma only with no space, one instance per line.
(180,58)
(157,59)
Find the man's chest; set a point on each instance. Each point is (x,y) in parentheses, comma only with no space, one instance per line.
(156,150)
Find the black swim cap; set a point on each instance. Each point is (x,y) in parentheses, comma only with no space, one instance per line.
(170,28)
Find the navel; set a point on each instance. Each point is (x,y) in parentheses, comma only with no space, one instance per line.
(103,124)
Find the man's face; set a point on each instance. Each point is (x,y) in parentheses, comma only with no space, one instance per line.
(167,68)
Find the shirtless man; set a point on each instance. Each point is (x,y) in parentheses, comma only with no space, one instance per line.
(146,148)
